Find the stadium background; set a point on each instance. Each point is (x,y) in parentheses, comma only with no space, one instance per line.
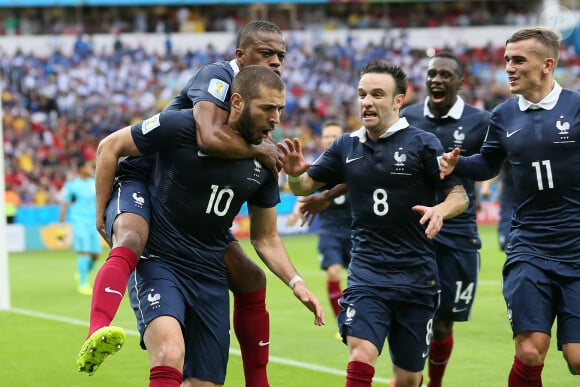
(73,71)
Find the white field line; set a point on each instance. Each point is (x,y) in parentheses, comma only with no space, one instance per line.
(233,351)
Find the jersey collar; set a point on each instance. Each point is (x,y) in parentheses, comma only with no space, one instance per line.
(235,67)
(396,127)
(455,112)
(547,103)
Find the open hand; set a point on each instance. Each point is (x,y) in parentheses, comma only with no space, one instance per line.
(447,162)
(310,301)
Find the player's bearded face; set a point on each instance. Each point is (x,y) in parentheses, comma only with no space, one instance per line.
(251,126)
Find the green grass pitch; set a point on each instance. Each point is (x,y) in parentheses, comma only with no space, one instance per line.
(42,333)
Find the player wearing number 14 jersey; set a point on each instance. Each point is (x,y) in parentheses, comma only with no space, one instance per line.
(456,124)
(539,134)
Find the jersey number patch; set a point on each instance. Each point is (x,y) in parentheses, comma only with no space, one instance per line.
(219,200)
(546,163)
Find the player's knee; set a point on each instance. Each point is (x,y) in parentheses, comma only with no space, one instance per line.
(442,329)
(333,272)
(410,379)
(132,240)
(259,276)
(130,231)
(244,275)
(529,356)
(250,279)
(169,354)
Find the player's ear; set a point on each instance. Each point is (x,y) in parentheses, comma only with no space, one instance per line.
(240,57)
(549,65)
(399,100)
(237,102)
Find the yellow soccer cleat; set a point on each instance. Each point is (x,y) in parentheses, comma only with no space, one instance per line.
(102,343)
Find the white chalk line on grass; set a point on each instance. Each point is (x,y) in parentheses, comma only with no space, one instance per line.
(233,351)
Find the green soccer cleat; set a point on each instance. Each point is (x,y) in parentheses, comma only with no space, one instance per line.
(102,343)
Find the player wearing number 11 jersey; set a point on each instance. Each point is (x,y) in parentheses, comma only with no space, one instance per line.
(539,134)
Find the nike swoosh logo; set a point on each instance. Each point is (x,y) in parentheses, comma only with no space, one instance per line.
(201,154)
(509,134)
(263,343)
(109,290)
(458,310)
(351,160)
(425,354)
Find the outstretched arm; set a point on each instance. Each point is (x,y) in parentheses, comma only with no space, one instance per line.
(216,138)
(300,183)
(479,166)
(314,204)
(447,162)
(269,247)
(111,148)
(454,204)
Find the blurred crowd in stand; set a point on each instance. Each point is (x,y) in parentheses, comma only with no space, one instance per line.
(230,17)
(56,108)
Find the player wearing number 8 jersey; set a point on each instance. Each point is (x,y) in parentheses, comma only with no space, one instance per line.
(539,134)
(392,173)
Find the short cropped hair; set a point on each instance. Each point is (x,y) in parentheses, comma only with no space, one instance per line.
(450,55)
(384,67)
(247,34)
(546,36)
(248,81)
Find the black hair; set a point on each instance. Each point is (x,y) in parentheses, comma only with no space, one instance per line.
(247,34)
(384,67)
(248,81)
(450,55)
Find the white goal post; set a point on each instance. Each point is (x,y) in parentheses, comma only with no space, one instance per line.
(4,277)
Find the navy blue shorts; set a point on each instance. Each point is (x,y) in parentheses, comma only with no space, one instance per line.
(402,316)
(199,303)
(458,271)
(334,249)
(128,195)
(537,291)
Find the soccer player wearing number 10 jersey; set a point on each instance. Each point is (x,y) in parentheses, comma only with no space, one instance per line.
(539,134)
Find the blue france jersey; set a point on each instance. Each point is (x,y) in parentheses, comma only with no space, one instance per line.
(211,83)
(195,197)
(467,132)
(386,179)
(336,217)
(543,148)
(83,198)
